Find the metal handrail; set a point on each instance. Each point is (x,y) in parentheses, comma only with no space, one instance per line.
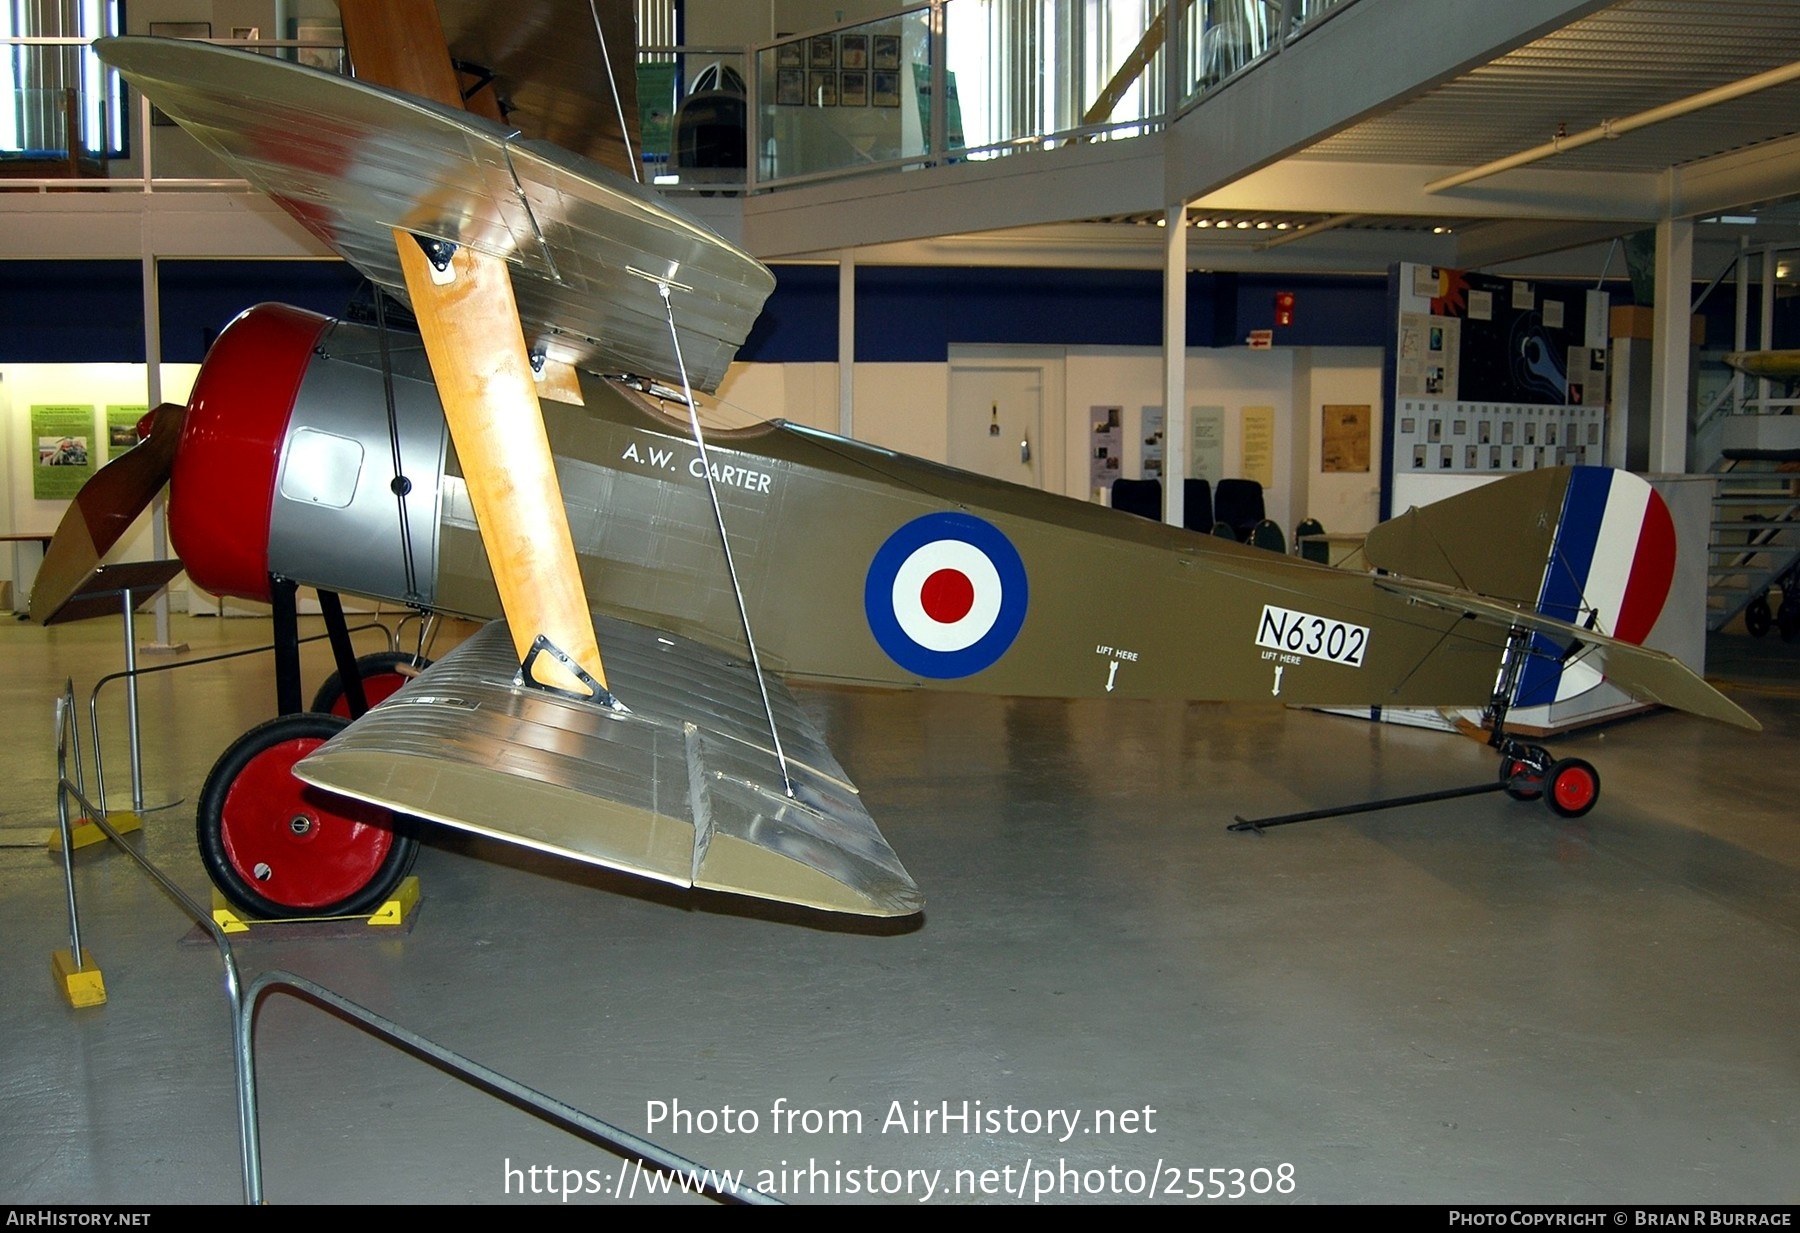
(67,734)
(134,673)
(243,1009)
(475,1074)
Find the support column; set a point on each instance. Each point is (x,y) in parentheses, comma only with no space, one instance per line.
(1175,426)
(1669,357)
(159,527)
(847,342)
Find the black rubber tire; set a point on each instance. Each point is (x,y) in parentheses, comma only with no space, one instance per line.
(1757,617)
(1571,788)
(256,856)
(381,677)
(1787,619)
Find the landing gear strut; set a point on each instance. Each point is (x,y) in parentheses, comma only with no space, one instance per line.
(1569,786)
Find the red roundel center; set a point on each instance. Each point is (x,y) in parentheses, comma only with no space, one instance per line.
(947,596)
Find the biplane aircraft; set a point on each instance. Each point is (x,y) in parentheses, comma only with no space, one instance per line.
(533,456)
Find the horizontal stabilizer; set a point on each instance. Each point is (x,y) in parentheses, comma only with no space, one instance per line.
(1492,540)
(1650,676)
(684,787)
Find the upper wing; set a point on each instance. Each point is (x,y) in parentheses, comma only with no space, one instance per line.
(684,787)
(352,162)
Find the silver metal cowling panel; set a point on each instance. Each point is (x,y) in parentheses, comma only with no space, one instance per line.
(464,746)
(358,547)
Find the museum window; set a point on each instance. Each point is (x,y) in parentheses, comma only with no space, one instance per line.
(60,98)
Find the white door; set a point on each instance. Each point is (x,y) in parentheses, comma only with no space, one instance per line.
(997,422)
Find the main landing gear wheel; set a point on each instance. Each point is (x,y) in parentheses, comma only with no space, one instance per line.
(1571,788)
(279,848)
(1757,617)
(1522,770)
(383,674)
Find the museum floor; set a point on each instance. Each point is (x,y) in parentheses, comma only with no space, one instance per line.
(1470,1002)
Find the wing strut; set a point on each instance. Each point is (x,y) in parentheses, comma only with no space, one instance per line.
(712,491)
(469,319)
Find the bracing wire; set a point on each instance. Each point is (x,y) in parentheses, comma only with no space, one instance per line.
(618,104)
(712,491)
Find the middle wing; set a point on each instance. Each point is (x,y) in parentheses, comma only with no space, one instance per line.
(684,788)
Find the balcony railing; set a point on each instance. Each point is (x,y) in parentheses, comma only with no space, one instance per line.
(1013,76)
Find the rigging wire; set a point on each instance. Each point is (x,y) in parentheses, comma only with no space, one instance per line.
(612,80)
(712,491)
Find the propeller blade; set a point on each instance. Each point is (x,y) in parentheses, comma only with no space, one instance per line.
(104,510)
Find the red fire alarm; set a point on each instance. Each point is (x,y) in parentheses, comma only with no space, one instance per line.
(1284,308)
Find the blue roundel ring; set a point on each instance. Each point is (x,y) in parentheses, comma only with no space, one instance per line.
(943,639)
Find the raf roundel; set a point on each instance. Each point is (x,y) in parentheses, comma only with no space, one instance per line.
(946,596)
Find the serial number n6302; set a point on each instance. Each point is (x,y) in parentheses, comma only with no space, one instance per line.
(1302,633)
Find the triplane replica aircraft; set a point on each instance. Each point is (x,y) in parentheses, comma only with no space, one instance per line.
(520,460)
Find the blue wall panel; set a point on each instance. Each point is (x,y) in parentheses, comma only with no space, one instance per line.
(199,298)
(71,312)
(68,311)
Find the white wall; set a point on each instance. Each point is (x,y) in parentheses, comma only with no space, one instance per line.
(1345,501)
(905,407)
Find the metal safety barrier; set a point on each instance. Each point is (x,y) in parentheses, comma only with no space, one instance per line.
(699,1178)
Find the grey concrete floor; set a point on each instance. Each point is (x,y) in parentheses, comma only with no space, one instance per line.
(1471,1002)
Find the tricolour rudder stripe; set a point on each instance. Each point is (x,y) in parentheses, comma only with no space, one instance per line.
(1612,559)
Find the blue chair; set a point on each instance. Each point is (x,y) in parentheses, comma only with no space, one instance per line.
(1140,497)
(1197,505)
(1239,502)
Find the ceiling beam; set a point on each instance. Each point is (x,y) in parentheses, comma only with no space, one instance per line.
(1327,186)
(1322,82)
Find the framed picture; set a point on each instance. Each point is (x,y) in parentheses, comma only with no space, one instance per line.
(885,89)
(821,52)
(821,88)
(853,88)
(331,59)
(853,51)
(790,87)
(790,55)
(886,52)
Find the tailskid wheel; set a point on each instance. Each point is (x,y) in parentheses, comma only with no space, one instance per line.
(1522,769)
(1571,788)
(279,848)
(383,674)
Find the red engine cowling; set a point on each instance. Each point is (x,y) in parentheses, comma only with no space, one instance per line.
(223,484)
(287,461)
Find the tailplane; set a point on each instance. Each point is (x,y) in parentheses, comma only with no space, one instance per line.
(1590,546)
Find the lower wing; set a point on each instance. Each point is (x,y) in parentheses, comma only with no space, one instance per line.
(684,788)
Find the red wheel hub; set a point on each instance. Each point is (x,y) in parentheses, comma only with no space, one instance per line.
(296,844)
(1575,788)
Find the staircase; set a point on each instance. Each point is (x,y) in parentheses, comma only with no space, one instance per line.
(1755,540)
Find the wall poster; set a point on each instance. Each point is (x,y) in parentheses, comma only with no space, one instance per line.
(1206,444)
(1259,445)
(121,427)
(64,439)
(1150,460)
(1494,375)
(1105,445)
(1344,439)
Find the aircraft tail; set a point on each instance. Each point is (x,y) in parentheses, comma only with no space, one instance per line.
(1589,546)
